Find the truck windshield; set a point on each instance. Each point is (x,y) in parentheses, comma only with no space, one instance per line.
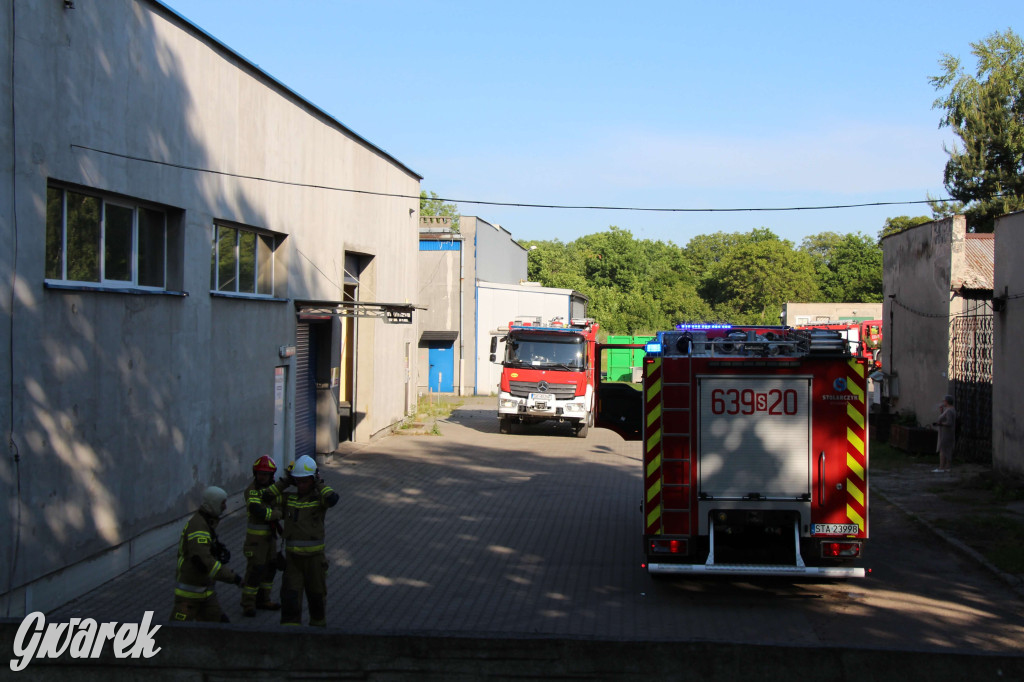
(547,352)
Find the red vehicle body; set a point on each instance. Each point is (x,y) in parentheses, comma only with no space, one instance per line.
(755,451)
(547,374)
(865,337)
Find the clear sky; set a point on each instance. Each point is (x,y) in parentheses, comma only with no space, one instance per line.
(660,104)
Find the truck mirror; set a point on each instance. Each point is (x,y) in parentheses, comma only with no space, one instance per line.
(494,347)
(494,358)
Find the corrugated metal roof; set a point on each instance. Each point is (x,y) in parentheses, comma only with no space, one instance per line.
(979,263)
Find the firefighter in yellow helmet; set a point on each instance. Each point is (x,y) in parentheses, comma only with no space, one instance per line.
(202,559)
(305,565)
(261,532)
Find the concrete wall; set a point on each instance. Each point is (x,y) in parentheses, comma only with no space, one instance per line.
(489,254)
(1008,370)
(501,303)
(812,313)
(917,274)
(498,257)
(124,407)
(444,292)
(203,652)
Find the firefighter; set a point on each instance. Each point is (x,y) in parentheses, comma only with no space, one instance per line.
(261,533)
(305,563)
(202,559)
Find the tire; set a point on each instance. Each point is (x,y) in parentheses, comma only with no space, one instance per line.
(584,427)
(505,425)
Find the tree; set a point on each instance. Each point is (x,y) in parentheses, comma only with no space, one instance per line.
(986,112)
(749,276)
(900,223)
(848,267)
(434,206)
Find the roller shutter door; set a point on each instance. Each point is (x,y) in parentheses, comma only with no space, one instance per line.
(305,392)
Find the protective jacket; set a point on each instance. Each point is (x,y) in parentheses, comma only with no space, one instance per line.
(304,516)
(262,512)
(198,565)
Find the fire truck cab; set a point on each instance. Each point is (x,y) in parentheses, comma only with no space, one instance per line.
(547,373)
(755,451)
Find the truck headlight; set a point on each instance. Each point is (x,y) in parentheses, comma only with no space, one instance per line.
(574,407)
(508,402)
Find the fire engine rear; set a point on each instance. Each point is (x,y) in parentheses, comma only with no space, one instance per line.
(755,457)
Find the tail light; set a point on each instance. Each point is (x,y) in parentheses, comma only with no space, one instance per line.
(840,550)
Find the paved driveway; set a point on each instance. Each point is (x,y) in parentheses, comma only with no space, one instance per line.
(537,533)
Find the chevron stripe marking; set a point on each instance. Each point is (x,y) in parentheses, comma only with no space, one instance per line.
(855,440)
(855,414)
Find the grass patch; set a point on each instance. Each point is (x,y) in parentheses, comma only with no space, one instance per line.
(998,537)
(887,458)
(429,409)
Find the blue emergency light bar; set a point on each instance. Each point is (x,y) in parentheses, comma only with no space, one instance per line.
(700,326)
(652,347)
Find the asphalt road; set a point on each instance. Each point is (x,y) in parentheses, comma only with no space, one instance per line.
(537,533)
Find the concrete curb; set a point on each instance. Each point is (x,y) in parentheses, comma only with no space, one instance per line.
(1011,581)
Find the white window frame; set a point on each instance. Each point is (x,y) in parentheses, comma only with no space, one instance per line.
(104,281)
(260,235)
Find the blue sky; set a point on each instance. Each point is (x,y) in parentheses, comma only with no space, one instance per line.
(642,104)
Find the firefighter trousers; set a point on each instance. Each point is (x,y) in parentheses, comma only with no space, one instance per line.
(304,573)
(261,566)
(200,610)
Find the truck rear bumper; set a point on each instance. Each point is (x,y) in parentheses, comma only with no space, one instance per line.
(757,569)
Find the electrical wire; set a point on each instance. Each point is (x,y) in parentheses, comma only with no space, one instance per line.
(511,204)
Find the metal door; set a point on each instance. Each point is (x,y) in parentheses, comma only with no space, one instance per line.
(442,366)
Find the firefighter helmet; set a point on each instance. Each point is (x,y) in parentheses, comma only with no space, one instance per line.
(304,466)
(264,463)
(213,500)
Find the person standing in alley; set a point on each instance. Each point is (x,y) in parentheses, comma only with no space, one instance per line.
(947,434)
(305,564)
(202,559)
(261,533)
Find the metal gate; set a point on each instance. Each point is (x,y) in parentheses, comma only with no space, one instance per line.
(972,387)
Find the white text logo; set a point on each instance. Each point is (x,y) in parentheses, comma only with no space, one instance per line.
(81,638)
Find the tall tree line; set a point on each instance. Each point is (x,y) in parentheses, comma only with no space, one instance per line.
(638,285)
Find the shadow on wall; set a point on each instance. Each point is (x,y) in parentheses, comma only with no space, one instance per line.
(123,406)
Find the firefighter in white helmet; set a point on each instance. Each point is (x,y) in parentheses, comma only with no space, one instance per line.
(305,565)
(202,559)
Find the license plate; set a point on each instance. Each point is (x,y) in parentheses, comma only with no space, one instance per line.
(542,397)
(835,529)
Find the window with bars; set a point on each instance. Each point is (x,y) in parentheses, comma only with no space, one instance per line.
(99,240)
(242,261)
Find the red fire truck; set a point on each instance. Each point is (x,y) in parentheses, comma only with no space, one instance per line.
(547,373)
(864,338)
(755,451)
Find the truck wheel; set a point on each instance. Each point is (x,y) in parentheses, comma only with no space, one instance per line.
(505,425)
(583,428)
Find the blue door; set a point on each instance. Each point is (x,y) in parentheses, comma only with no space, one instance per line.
(442,366)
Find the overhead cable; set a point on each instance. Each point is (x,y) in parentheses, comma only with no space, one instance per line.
(510,204)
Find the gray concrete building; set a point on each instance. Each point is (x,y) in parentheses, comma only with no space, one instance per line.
(937,318)
(453,265)
(796,314)
(197,267)
(1007,367)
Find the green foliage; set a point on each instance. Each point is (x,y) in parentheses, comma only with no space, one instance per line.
(986,111)
(641,286)
(848,267)
(902,222)
(434,206)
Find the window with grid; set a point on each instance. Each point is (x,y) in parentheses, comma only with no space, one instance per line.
(106,241)
(242,261)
